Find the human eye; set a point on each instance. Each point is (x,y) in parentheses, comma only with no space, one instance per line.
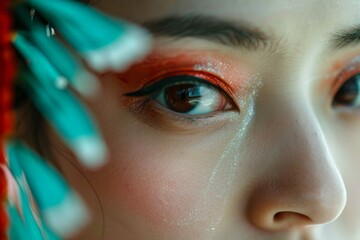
(348,94)
(191,94)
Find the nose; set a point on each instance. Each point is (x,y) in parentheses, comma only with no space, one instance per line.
(300,184)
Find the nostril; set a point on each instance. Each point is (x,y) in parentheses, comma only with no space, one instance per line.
(288,219)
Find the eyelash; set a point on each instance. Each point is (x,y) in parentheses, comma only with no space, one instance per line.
(147,94)
(346,75)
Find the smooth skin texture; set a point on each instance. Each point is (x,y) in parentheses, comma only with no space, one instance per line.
(283,164)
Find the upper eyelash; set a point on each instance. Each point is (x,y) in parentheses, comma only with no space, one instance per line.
(171,80)
(343,77)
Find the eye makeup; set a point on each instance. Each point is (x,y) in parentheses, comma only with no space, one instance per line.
(188,93)
(225,70)
(190,71)
(350,70)
(344,87)
(177,77)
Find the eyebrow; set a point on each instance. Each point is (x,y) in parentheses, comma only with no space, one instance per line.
(209,28)
(346,38)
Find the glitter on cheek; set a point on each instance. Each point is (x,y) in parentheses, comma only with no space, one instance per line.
(189,194)
(167,197)
(215,195)
(158,185)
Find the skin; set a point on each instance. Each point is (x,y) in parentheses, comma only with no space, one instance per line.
(284,167)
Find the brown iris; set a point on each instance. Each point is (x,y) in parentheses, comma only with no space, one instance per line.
(182,98)
(187,94)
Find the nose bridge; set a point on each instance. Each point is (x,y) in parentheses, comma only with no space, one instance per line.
(307,145)
(304,147)
(306,162)
(301,184)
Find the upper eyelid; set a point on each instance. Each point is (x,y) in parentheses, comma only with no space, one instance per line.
(351,69)
(151,89)
(163,82)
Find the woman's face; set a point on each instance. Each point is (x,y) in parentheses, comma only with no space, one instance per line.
(243,123)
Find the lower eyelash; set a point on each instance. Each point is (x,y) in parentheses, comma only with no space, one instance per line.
(142,104)
(159,117)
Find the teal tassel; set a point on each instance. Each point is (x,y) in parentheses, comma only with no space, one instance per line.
(70,67)
(59,106)
(70,118)
(104,43)
(63,212)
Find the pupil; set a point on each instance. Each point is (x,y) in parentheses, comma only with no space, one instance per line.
(348,92)
(182,98)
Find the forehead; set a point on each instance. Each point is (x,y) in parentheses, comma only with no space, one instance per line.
(298,23)
(258,11)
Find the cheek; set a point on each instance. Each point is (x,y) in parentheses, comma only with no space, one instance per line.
(158,176)
(159,179)
(153,177)
(159,192)
(346,154)
(349,162)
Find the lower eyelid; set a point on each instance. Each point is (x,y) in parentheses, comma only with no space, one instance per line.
(158,117)
(188,118)
(154,88)
(144,107)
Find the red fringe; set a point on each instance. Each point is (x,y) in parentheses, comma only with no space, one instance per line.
(7,71)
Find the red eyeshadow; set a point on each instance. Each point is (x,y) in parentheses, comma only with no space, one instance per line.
(226,69)
(344,70)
